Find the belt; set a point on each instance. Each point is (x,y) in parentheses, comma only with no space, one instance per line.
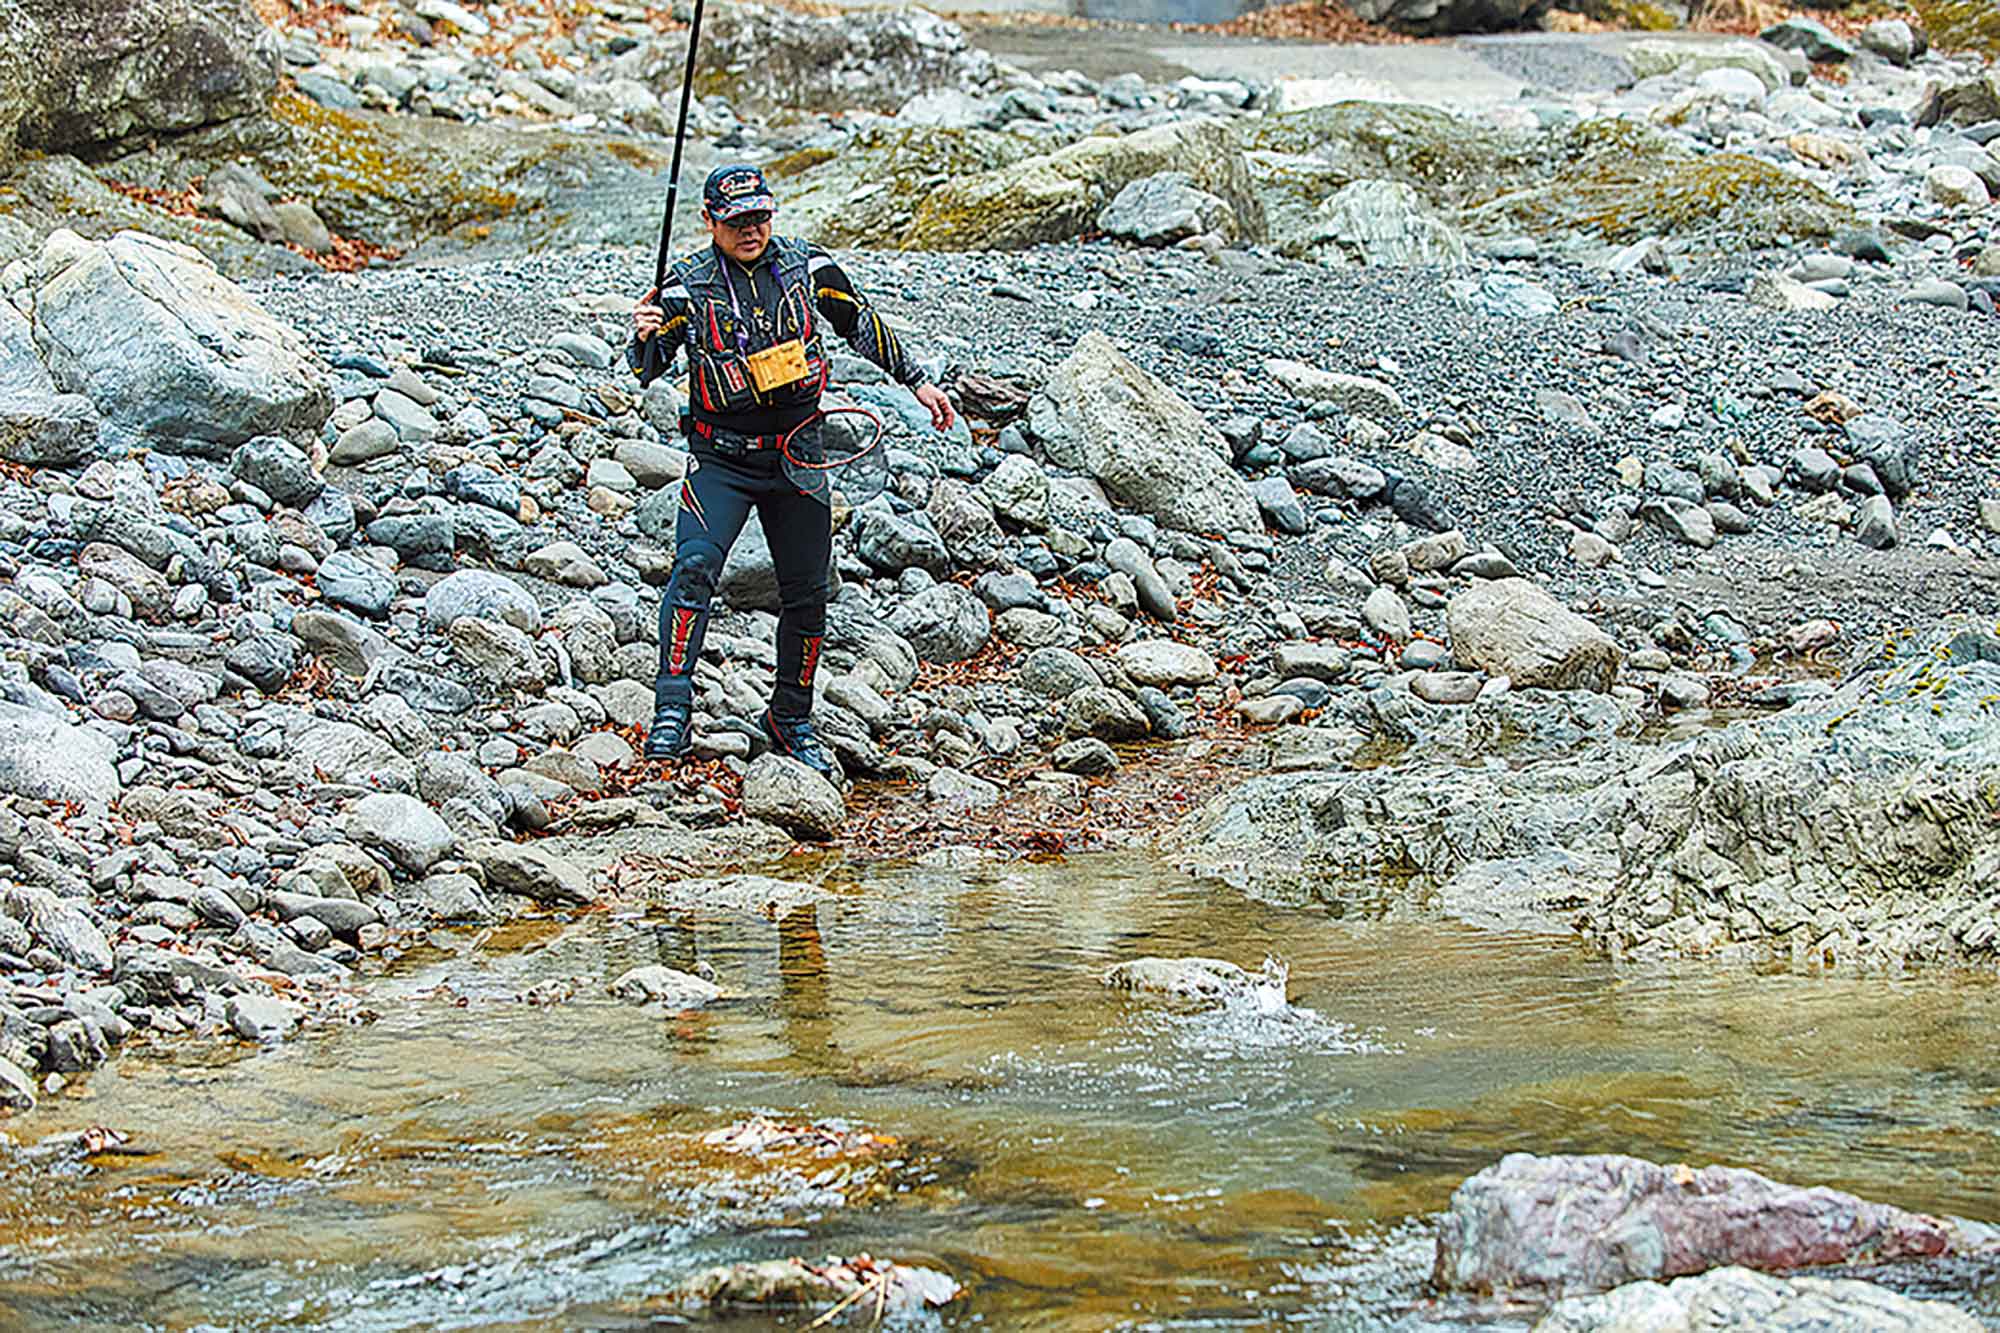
(729,441)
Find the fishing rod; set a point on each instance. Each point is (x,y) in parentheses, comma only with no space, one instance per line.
(666,252)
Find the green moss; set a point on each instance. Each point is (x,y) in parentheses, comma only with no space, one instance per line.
(796,164)
(1443,156)
(1961,25)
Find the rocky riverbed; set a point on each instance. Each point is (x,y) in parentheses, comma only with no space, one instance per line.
(1573,510)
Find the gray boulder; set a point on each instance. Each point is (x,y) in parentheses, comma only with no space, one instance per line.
(530,871)
(147,67)
(278,468)
(215,369)
(1146,445)
(403,827)
(1165,208)
(1510,627)
(58,926)
(1383,224)
(1433,17)
(664,986)
(483,595)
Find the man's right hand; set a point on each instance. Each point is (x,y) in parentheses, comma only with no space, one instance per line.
(647,316)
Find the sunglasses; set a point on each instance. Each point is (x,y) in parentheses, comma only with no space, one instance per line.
(748,222)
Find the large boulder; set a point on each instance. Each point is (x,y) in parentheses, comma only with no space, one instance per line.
(44,758)
(83,73)
(39,424)
(1510,627)
(1146,445)
(1163,209)
(768,58)
(1433,17)
(1554,1226)
(944,623)
(1058,196)
(1737,1300)
(172,353)
(1852,828)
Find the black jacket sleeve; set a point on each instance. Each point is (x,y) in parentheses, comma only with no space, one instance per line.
(656,356)
(856,321)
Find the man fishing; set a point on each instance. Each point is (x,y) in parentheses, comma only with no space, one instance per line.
(747,310)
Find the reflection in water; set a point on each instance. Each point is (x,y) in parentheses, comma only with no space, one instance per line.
(1079,1159)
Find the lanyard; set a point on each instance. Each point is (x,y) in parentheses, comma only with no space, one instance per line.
(729,283)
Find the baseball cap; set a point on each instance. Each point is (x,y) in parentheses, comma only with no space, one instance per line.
(734,190)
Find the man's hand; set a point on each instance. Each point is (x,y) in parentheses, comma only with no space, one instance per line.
(933,398)
(647,317)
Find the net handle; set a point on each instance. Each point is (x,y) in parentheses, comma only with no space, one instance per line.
(785,444)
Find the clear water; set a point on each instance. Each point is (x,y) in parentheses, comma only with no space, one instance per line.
(1077,1159)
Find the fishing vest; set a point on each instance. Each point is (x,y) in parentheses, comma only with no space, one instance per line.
(729,324)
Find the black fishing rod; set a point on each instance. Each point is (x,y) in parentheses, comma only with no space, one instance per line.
(666,254)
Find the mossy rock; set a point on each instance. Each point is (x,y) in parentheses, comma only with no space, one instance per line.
(865,193)
(1622,184)
(1961,25)
(1292,186)
(1057,196)
(1443,157)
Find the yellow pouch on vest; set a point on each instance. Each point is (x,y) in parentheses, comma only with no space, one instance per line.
(775,367)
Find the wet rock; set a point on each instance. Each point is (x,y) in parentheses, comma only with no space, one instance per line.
(220,370)
(262,1018)
(1737,1300)
(1146,445)
(1511,628)
(1554,1226)
(1206,980)
(783,791)
(785,1284)
(664,986)
(531,872)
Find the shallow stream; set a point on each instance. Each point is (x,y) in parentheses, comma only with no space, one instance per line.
(1077,1159)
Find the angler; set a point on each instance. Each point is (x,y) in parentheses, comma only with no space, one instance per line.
(748,311)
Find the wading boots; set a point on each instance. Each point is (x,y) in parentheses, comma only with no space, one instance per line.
(668,736)
(795,738)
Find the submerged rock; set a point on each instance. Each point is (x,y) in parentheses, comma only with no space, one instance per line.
(665,986)
(1553,1226)
(778,1284)
(1736,1300)
(1211,980)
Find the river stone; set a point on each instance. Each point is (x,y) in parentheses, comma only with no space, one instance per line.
(1541,1227)
(1149,448)
(262,1018)
(349,579)
(59,927)
(1383,224)
(1098,710)
(17,1090)
(1086,756)
(1054,673)
(218,369)
(1204,979)
(1737,1300)
(1165,663)
(403,827)
(944,623)
(566,563)
(892,542)
(1356,394)
(780,790)
(1511,628)
(664,986)
(44,758)
(530,871)
(1165,208)
(1018,490)
(482,594)
(500,653)
(278,468)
